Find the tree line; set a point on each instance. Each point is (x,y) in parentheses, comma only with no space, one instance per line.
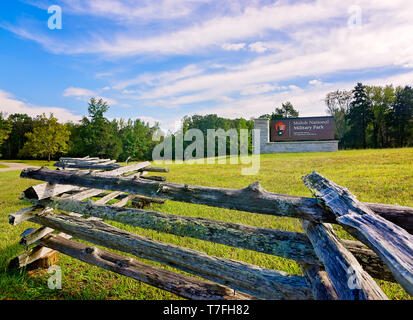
(220,125)
(365,117)
(372,116)
(42,137)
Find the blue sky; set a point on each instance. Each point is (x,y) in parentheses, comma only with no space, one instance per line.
(161,60)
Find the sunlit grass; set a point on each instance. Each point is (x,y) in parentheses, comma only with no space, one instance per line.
(372,175)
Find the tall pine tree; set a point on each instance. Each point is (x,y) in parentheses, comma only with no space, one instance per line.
(100,136)
(402,114)
(360,115)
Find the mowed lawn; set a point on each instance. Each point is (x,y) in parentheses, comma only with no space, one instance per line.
(384,176)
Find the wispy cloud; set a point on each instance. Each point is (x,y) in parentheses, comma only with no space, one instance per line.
(86,94)
(258,47)
(235,58)
(11,104)
(131,10)
(315,82)
(78,92)
(195,35)
(320,54)
(259,88)
(233,46)
(160,78)
(309,100)
(251,22)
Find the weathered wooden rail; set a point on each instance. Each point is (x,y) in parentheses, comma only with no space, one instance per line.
(332,268)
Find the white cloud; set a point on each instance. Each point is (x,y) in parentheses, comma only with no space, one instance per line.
(401,79)
(130,11)
(128,91)
(323,51)
(249,22)
(112,102)
(11,104)
(85,94)
(159,78)
(315,82)
(225,99)
(310,40)
(78,92)
(47,42)
(258,89)
(233,46)
(103,74)
(149,119)
(309,101)
(258,47)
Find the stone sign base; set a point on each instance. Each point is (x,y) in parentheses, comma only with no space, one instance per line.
(299,146)
(263,144)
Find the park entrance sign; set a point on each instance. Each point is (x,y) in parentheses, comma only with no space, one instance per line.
(310,134)
(300,129)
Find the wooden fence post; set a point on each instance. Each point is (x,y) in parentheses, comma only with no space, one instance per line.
(391,242)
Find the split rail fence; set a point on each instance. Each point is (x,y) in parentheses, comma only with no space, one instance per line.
(332,268)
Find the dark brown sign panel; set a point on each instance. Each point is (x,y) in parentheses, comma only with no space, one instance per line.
(311,128)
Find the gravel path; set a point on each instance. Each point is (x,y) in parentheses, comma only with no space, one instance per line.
(15,166)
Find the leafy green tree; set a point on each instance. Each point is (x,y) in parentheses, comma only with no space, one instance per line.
(20,125)
(382,100)
(212,121)
(338,103)
(95,135)
(359,116)
(48,138)
(286,111)
(136,137)
(75,145)
(5,128)
(99,136)
(402,114)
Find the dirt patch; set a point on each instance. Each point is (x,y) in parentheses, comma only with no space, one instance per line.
(15,166)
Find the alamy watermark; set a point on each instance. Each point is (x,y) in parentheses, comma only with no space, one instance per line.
(355,21)
(55,280)
(353,279)
(55,20)
(215,151)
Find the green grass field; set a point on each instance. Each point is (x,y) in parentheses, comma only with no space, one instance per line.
(372,175)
